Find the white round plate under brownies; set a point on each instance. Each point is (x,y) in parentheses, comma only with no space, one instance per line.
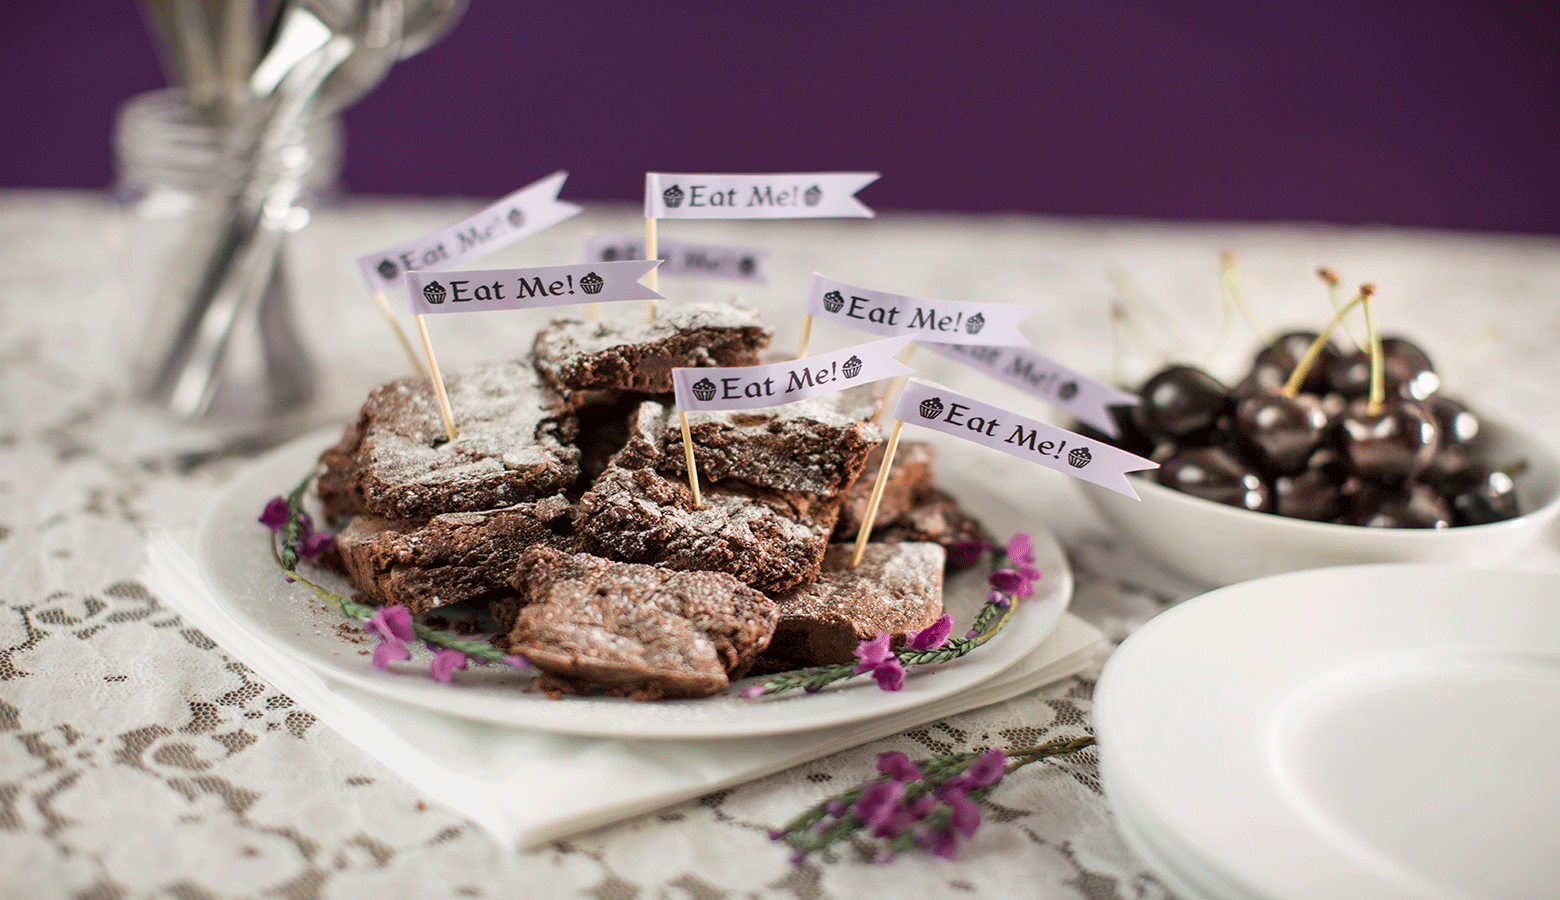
(234,554)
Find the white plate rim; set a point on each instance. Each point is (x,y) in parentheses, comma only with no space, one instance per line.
(227,557)
(1213,750)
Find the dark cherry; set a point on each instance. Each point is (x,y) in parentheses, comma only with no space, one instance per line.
(1391,445)
(1182,402)
(1274,363)
(1407,505)
(1131,436)
(1457,424)
(1279,433)
(1453,470)
(1316,492)
(1492,498)
(1214,473)
(1406,371)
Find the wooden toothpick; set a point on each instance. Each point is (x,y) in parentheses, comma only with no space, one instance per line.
(652,251)
(877,495)
(400,333)
(801,351)
(438,382)
(693,471)
(895,386)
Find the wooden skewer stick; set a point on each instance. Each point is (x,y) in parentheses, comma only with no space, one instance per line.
(400,333)
(877,495)
(693,471)
(895,386)
(653,251)
(438,381)
(801,351)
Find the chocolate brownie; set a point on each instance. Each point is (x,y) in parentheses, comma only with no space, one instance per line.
(896,590)
(815,446)
(396,462)
(337,485)
(641,631)
(771,540)
(449,558)
(588,358)
(910,477)
(936,517)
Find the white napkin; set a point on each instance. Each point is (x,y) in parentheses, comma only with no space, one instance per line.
(527,787)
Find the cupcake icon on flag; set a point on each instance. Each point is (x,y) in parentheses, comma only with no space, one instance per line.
(1067,391)
(1079,457)
(704,389)
(931,409)
(591,283)
(833,302)
(434,292)
(387,269)
(672,197)
(516,217)
(975,323)
(812,196)
(852,366)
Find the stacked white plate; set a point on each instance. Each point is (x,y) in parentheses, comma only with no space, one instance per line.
(1381,731)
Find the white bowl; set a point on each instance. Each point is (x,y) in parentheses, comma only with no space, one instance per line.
(1216,544)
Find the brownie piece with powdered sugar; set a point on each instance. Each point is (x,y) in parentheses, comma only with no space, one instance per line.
(396,462)
(589,361)
(896,590)
(452,557)
(639,631)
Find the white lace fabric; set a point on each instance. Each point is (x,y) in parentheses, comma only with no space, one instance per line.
(139,759)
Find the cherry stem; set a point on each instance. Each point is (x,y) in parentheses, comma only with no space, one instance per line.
(1313,352)
(1229,281)
(1378,380)
(1331,277)
(1514,468)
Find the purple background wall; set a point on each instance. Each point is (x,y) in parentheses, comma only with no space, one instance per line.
(1411,112)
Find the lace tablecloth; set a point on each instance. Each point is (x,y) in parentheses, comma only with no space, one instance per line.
(137,760)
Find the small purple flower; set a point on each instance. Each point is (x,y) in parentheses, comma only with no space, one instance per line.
(1021,549)
(878,803)
(276,512)
(987,768)
(898,766)
(753,692)
(1007,581)
(391,623)
(445,662)
(389,650)
(939,842)
(964,814)
(934,635)
(314,543)
(878,658)
(518,660)
(965,553)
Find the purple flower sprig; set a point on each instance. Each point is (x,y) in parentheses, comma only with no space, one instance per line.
(393,625)
(931,646)
(931,805)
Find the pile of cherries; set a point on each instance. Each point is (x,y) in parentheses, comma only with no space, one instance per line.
(1320,451)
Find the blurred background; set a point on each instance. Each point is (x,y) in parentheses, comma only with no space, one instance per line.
(1439,114)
